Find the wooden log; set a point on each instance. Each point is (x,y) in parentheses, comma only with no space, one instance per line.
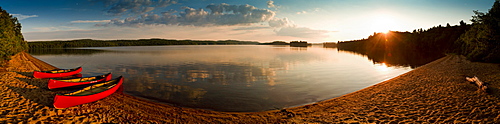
(481,85)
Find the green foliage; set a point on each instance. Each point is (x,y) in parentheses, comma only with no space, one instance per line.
(141,42)
(482,41)
(11,39)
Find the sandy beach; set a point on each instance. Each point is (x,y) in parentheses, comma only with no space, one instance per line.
(434,93)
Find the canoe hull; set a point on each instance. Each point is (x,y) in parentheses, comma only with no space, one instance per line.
(63,101)
(41,74)
(53,84)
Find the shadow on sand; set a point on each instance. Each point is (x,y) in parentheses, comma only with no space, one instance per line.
(27,74)
(41,94)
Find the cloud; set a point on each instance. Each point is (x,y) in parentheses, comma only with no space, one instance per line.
(277,22)
(218,15)
(56,28)
(22,17)
(308,11)
(90,21)
(301,12)
(262,33)
(251,28)
(120,7)
(222,20)
(302,32)
(270,4)
(161,31)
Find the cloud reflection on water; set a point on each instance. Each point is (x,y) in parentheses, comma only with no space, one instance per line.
(232,78)
(195,79)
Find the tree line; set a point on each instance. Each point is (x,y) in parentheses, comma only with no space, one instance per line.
(11,39)
(140,42)
(482,41)
(479,41)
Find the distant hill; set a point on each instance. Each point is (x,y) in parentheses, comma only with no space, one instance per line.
(140,42)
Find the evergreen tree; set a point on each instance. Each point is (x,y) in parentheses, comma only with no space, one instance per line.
(462,23)
(482,41)
(11,39)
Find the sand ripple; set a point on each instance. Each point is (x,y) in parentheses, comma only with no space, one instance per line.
(434,93)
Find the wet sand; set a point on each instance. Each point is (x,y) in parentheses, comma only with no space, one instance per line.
(434,93)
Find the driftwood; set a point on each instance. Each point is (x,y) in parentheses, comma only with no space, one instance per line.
(481,85)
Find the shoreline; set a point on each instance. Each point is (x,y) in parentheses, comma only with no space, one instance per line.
(433,93)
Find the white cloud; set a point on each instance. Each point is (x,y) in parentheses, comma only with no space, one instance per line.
(221,14)
(90,21)
(277,22)
(22,17)
(308,11)
(301,12)
(214,22)
(55,28)
(263,34)
(270,4)
(302,32)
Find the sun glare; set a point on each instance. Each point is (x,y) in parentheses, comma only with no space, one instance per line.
(383,23)
(382,67)
(385,32)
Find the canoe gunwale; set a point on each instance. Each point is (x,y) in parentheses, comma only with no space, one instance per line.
(114,81)
(42,74)
(96,78)
(65,70)
(54,83)
(62,101)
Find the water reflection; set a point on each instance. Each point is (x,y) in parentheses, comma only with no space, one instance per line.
(382,67)
(233,78)
(199,84)
(64,51)
(397,59)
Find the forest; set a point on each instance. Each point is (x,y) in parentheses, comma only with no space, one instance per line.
(479,41)
(11,39)
(412,48)
(140,42)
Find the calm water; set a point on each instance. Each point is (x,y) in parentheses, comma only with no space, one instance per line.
(229,78)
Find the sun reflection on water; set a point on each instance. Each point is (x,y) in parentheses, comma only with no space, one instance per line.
(382,67)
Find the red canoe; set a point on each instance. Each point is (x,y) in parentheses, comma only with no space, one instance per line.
(56,73)
(88,94)
(61,83)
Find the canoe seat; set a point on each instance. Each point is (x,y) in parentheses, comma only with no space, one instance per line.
(93,89)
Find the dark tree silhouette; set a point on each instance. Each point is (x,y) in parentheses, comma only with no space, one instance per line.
(462,23)
(140,42)
(479,41)
(405,48)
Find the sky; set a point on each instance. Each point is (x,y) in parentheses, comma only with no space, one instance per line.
(246,20)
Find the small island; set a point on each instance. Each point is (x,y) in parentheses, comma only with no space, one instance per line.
(436,92)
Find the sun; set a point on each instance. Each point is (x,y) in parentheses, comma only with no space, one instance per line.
(383,23)
(386,32)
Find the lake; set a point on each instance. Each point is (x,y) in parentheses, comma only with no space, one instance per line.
(240,78)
